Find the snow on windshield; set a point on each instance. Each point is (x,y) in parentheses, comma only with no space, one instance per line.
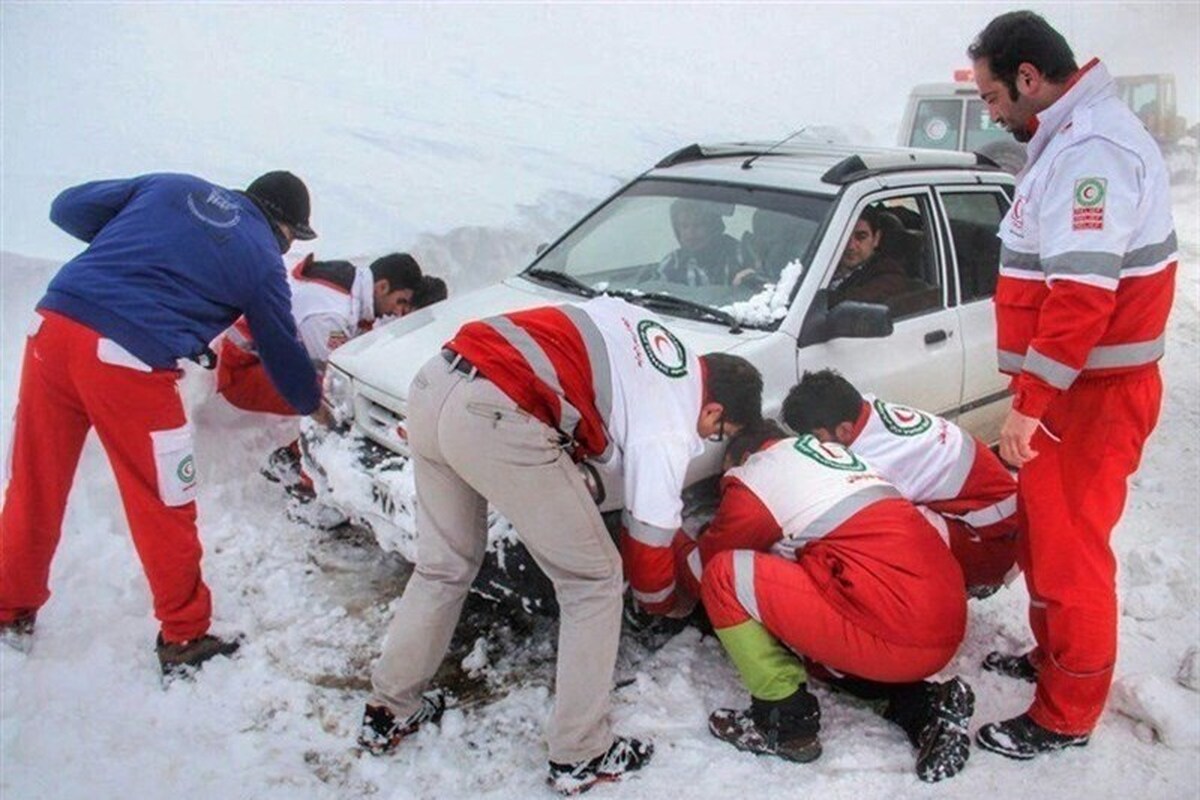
(770,304)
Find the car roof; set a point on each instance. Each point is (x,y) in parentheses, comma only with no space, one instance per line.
(818,167)
(944,90)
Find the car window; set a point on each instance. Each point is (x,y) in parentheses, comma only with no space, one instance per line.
(723,247)
(936,124)
(897,264)
(974,219)
(980,129)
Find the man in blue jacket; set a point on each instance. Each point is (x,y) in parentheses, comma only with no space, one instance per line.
(172,260)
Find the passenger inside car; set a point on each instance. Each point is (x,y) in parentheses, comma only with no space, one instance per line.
(706,253)
(883,263)
(774,240)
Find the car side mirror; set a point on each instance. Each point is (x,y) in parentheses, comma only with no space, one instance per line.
(846,320)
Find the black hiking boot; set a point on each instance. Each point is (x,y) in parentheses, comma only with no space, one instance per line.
(381,732)
(624,756)
(786,728)
(1019,667)
(182,659)
(18,634)
(943,745)
(1022,738)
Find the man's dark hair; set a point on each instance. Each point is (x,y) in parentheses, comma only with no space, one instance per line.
(871,216)
(821,400)
(733,382)
(400,270)
(432,290)
(751,439)
(1019,37)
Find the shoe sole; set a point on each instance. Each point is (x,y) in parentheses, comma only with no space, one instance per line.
(954,714)
(1020,755)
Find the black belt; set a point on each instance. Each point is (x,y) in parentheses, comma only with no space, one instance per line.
(458,363)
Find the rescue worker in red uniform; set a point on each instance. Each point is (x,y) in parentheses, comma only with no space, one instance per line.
(171,261)
(812,552)
(502,416)
(1087,278)
(970,496)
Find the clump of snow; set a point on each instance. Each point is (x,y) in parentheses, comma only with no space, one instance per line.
(1170,710)
(771,303)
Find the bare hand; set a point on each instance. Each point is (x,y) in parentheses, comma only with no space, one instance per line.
(1015,436)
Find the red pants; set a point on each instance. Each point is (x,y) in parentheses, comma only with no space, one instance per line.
(1071,496)
(242,380)
(71,381)
(984,561)
(792,605)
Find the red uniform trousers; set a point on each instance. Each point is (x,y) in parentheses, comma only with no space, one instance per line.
(826,607)
(243,381)
(984,561)
(1070,496)
(66,389)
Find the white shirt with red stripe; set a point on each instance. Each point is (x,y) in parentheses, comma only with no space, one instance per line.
(1089,248)
(613,378)
(934,463)
(326,314)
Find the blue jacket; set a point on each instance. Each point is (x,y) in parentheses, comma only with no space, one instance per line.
(172,261)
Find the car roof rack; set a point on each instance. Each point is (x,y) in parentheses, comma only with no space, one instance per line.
(857,163)
(857,167)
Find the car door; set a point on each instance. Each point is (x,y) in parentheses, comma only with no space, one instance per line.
(972,215)
(921,362)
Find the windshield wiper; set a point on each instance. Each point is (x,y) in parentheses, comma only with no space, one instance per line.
(562,280)
(687,308)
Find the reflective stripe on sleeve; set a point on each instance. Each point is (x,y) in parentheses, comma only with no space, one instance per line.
(983,517)
(649,598)
(650,535)
(695,566)
(1009,361)
(1083,263)
(1055,373)
(597,351)
(1019,262)
(960,470)
(1152,255)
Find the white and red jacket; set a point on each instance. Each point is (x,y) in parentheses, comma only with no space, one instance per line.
(878,559)
(1087,267)
(624,391)
(936,464)
(332,302)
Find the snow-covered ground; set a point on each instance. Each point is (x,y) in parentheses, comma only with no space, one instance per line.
(470,163)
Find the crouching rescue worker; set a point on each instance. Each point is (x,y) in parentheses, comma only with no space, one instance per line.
(811,552)
(171,261)
(501,416)
(934,464)
(332,302)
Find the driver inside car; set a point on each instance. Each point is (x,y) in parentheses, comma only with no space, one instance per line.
(706,253)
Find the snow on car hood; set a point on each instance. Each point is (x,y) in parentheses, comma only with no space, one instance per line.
(387,358)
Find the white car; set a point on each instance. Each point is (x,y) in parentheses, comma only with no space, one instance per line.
(779,219)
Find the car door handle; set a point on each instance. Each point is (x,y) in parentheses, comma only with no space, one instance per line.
(933,337)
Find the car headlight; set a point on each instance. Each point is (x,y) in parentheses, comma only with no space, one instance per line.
(337,393)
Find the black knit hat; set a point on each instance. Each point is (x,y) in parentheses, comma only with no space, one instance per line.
(284,198)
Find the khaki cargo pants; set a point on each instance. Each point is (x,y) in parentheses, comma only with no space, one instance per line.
(471,445)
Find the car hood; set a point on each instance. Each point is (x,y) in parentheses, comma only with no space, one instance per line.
(387,358)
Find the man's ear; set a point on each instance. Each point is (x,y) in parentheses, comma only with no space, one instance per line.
(382,287)
(1029,79)
(844,433)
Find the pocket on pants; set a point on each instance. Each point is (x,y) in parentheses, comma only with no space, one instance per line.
(175,464)
(109,352)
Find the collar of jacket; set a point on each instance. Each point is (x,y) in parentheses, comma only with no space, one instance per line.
(1088,86)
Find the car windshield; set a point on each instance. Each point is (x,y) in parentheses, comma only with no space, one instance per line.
(980,128)
(729,254)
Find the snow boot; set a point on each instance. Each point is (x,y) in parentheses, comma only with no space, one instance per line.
(1020,667)
(18,634)
(381,732)
(1022,738)
(182,659)
(283,465)
(786,728)
(624,756)
(943,745)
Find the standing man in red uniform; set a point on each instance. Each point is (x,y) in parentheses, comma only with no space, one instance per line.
(172,260)
(1087,277)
